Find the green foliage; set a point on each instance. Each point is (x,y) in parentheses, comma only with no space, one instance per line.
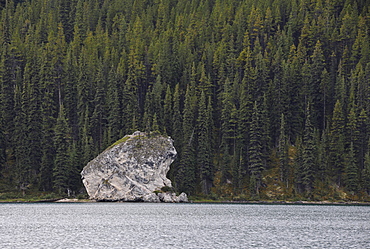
(122,140)
(256,165)
(167,189)
(309,154)
(61,170)
(193,71)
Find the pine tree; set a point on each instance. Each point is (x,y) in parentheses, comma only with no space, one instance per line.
(315,95)
(2,146)
(204,150)
(155,127)
(351,170)
(362,130)
(283,152)
(177,130)
(256,165)
(309,154)
(74,167)
(186,175)
(70,93)
(157,92)
(229,132)
(327,95)
(22,169)
(366,173)
(7,93)
(98,118)
(336,144)
(66,18)
(61,164)
(130,105)
(114,107)
(177,135)
(48,111)
(167,111)
(244,117)
(228,111)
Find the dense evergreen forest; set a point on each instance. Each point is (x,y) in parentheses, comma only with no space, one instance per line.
(264,99)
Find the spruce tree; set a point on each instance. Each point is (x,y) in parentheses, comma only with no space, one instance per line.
(61,170)
(283,152)
(98,118)
(204,150)
(256,165)
(2,146)
(177,130)
(113,107)
(362,131)
(70,93)
(351,170)
(366,173)
(22,170)
(309,154)
(337,144)
(186,175)
(167,111)
(7,92)
(48,111)
(315,94)
(75,167)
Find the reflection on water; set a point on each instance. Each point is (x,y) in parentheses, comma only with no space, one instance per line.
(149,225)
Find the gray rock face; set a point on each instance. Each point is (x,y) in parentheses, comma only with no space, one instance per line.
(132,169)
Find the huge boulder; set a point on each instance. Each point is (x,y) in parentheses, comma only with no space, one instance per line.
(133,169)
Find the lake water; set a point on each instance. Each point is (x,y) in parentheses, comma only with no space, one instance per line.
(149,225)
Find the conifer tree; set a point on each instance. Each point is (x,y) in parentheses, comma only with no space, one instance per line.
(61,171)
(244,121)
(114,107)
(31,105)
(186,174)
(22,169)
(256,165)
(2,146)
(48,111)
(98,118)
(177,135)
(362,130)
(167,111)
(366,173)
(228,112)
(155,127)
(204,151)
(157,104)
(70,78)
(315,95)
(309,154)
(177,130)
(7,93)
(351,169)
(336,144)
(74,167)
(283,152)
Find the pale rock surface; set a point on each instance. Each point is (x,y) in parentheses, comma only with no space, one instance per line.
(171,197)
(132,169)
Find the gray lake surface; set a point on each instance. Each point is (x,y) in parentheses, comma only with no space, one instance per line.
(149,225)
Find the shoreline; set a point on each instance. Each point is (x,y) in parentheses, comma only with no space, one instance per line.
(268,202)
(262,202)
